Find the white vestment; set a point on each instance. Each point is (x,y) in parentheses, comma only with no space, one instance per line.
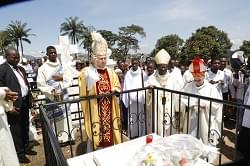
(207,90)
(177,78)
(237,88)
(163,113)
(8,156)
(228,78)
(178,84)
(46,84)
(187,77)
(219,76)
(135,102)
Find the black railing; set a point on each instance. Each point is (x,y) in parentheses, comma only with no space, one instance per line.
(52,150)
(141,118)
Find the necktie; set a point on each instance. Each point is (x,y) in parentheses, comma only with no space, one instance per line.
(20,73)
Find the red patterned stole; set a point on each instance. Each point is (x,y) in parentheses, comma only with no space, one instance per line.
(103,86)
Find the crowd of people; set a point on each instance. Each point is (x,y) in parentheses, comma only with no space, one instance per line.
(214,79)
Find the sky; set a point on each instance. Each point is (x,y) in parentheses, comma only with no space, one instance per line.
(157,17)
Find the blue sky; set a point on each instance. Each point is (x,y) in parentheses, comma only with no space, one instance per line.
(157,17)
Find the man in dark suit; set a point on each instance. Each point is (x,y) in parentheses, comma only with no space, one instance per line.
(14,77)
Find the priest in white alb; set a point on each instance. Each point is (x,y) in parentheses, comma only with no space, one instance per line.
(163,112)
(53,80)
(199,127)
(134,101)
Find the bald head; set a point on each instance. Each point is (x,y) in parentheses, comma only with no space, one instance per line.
(12,56)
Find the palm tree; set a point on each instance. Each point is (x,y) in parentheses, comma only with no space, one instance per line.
(73,28)
(86,39)
(18,32)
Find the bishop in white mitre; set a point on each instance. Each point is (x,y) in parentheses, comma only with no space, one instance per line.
(202,87)
(53,80)
(163,121)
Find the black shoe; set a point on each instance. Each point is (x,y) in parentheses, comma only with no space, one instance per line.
(23,159)
(31,152)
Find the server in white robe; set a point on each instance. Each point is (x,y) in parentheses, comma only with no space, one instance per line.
(199,126)
(159,110)
(134,101)
(53,80)
(215,76)
(8,156)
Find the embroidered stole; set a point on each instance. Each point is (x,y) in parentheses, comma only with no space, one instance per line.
(103,86)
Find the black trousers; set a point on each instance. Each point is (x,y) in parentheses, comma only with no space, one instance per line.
(19,127)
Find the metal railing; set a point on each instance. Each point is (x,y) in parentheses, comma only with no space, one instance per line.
(52,150)
(136,121)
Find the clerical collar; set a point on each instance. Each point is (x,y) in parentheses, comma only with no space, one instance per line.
(53,63)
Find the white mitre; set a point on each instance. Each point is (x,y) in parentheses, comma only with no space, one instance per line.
(99,44)
(162,57)
(239,55)
(197,65)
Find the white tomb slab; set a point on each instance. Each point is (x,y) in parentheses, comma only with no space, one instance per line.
(112,156)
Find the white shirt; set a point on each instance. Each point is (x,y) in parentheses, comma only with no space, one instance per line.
(20,77)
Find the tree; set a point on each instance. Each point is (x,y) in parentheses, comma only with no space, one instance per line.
(18,32)
(171,43)
(73,28)
(246,48)
(4,41)
(109,36)
(207,42)
(86,39)
(127,38)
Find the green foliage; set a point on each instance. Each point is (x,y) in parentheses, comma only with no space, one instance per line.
(4,41)
(246,48)
(171,43)
(127,39)
(86,39)
(206,42)
(18,32)
(73,28)
(109,36)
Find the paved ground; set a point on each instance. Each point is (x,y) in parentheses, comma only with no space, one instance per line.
(228,151)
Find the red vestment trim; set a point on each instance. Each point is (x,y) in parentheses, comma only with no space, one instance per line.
(103,86)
